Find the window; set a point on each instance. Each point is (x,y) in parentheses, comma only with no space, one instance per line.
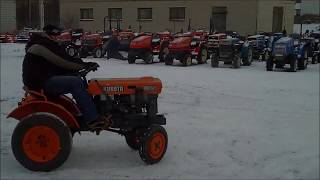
(177,13)
(144,13)
(86,14)
(115,13)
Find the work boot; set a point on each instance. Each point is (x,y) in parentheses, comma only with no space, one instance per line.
(102,122)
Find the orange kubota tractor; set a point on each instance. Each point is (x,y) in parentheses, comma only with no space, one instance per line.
(42,140)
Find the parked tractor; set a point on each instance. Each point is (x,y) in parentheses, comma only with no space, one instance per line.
(233,51)
(186,47)
(42,140)
(284,52)
(7,38)
(92,45)
(214,41)
(147,45)
(316,54)
(258,43)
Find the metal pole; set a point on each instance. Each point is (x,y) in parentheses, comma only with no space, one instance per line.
(29,13)
(41,13)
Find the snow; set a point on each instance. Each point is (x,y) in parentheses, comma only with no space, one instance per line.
(222,123)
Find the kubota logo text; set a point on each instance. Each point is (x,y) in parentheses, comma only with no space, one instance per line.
(114,88)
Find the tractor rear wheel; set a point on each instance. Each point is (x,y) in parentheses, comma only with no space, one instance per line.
(236,62)
(248,59)
(131,57)
(164,51)
(302,64)
(148,57)
(202,56)
(41,142)
(214,60)
(187,60)
(293,64)
(168,59)
(154,144)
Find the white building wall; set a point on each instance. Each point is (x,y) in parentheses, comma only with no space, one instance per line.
(310,7)
(7,15)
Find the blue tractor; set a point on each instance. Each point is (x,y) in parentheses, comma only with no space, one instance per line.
(232,51)
(316,52)
(258,43)
(285,52)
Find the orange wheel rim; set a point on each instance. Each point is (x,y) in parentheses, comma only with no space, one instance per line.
(41,144)
(157,145)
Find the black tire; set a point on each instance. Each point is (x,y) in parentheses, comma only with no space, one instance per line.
(97,53)
(265,56)
(214,60)
(236,61)
(202,56)
(269,64)
(148,57)
(71,51)
(293,64)
(30,127)
(302,64)
(168,59)
(164,51)
(133,140)
(131,57)
(248,59)
(187,60)
(154,144)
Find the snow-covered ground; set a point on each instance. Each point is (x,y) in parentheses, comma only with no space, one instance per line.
(222,123)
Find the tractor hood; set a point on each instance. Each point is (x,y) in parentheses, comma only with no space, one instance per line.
(180,42)
(141,42)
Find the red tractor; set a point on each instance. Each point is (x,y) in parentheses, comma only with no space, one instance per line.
(147,45)
(92,45)
(7,38)
(42,140)
(185,47)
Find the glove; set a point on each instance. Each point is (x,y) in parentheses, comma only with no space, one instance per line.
(91,65)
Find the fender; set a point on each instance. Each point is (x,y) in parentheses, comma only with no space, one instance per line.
(44,106)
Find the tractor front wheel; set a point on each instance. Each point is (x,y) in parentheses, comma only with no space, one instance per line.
(202,56)
(169,59)
(154,144)
(248,59)
(148,57)
(269,64)
(97,53)
(236,62)
(187,60)
(41,142)
(214,60)
(293,64)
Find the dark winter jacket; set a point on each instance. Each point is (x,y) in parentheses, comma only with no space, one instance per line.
(45,58)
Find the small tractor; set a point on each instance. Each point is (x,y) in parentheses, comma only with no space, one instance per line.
(42,140)
(92,45)
(316,54)
(214,41)
(232,51)
(284,52)
(258,43)
(147,45)
(186,47)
